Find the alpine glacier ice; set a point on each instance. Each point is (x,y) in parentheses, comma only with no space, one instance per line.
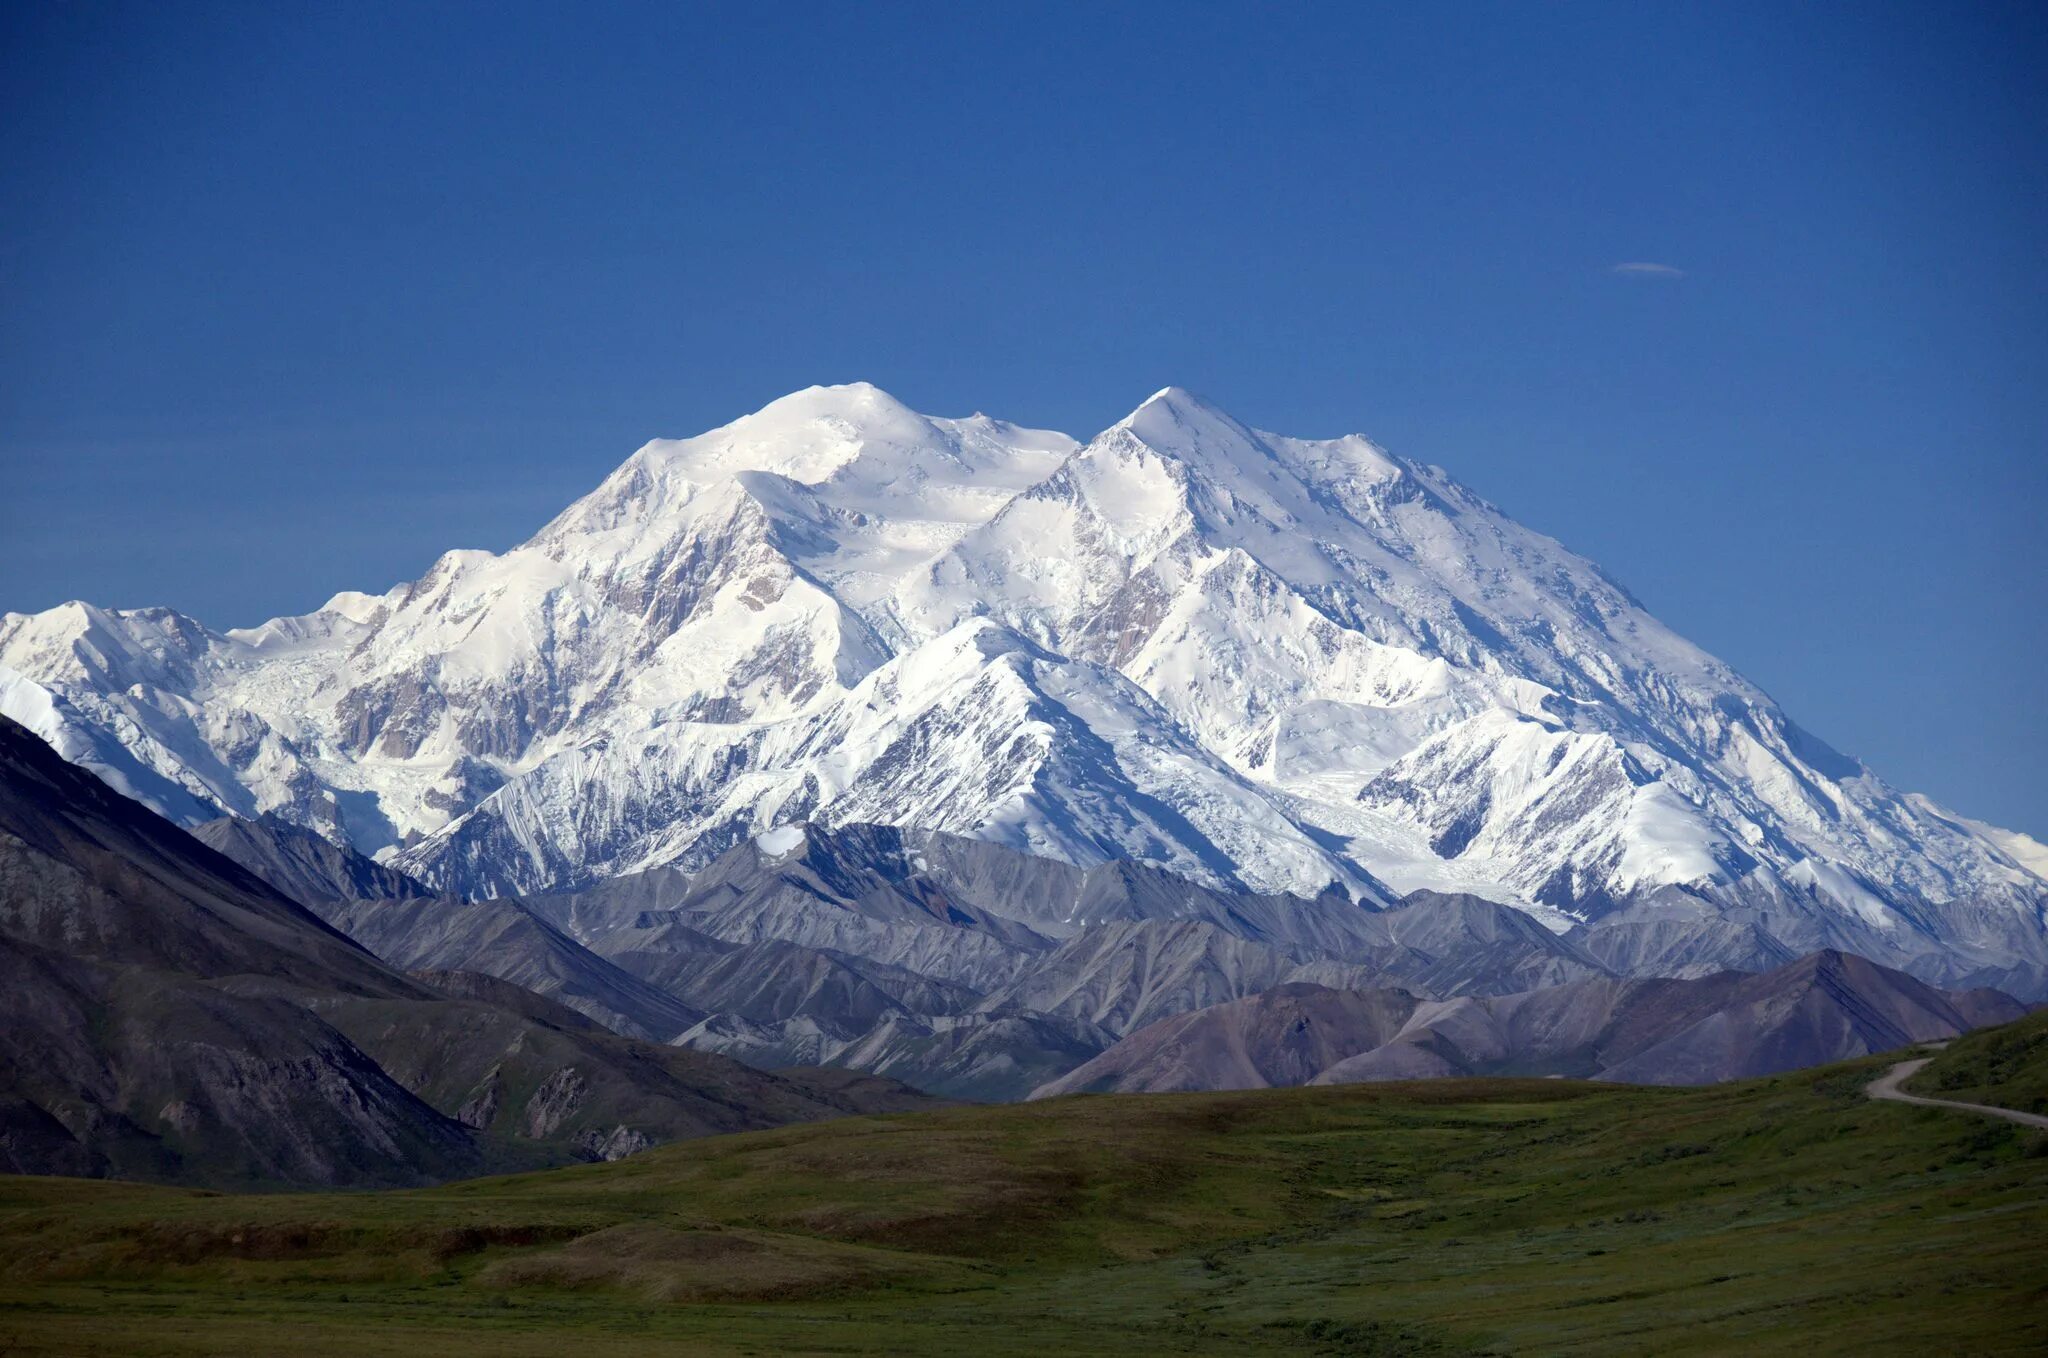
(1264,662)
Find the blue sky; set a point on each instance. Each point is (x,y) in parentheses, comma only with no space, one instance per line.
(297,296)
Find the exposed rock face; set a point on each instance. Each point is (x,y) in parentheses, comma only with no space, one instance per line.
(1455,944)
(858,891)
(1264,663)
(121,1041)
(616,1144)
(409,927)
(480,1109)
(1577,1030)
(611,904)
(181,1115)
(974,917)
(560,1095)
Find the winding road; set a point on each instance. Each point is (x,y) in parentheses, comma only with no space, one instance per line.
(1886,1086)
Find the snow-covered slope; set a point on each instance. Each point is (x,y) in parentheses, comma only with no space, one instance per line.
(1268,663)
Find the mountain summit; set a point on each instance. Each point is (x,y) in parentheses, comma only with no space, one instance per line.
(1266,663)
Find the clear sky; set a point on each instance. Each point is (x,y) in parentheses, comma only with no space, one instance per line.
(296,296)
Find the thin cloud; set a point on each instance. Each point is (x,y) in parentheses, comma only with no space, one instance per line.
(1646,270)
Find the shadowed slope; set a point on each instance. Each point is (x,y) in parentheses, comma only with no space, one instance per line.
(501,938)
(92,874)
(303,865)
(168,1015)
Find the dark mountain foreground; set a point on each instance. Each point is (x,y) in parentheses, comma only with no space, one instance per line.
(1785,1215)
(165,1014)
(302,865)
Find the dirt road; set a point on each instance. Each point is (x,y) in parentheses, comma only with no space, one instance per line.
(1886,1086)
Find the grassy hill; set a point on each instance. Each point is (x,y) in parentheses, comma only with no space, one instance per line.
(1439,1218)
(2006,1065)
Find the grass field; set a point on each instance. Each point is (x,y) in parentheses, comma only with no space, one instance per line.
(1448,1217)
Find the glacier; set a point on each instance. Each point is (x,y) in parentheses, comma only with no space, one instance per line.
(1265,663)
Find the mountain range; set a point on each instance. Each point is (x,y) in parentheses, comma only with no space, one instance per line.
(1272,667)
(904,954)
(1819,1009)
(843,758)
(173,1012)
(167,1014)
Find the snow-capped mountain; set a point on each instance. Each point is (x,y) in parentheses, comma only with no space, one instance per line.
(1267,663)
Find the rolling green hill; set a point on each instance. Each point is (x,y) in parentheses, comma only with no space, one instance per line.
(1481,1216)
(2006,1065)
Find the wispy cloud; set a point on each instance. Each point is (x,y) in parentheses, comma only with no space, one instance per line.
(1641,269)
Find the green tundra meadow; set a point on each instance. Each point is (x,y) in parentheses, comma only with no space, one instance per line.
(1448,1217)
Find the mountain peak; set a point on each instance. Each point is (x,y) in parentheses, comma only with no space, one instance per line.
(1176,422)
(807,435)
(1173,407)
(869,411)
(850,398)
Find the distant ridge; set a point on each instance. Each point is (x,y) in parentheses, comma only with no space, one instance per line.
(1818,1009)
